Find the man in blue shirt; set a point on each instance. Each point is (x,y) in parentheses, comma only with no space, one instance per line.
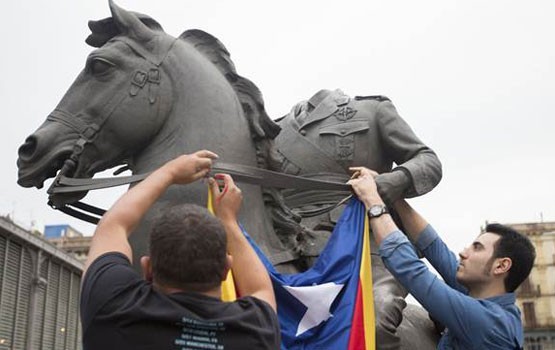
(476,300)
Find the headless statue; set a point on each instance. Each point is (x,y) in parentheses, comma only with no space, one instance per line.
(321,138)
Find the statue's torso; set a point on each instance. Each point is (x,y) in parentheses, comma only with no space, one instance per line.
(323,141)
(338,133)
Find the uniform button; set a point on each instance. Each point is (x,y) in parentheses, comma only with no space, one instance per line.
(343,131)
(303,132)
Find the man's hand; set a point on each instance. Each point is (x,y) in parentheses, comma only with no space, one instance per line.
(227,202)
(364,185)
(249,274)
(190,167)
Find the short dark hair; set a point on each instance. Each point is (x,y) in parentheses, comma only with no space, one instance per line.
(518,248)
(188,248)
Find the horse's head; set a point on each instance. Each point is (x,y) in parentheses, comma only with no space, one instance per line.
(122,84)
(143,98)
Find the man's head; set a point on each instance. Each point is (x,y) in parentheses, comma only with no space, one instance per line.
(188,249)
(500,253)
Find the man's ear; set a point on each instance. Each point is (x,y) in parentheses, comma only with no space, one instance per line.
(502,265)
(228,262)
(146,267)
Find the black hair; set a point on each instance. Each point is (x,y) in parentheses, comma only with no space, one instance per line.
(518,248)
(188,248)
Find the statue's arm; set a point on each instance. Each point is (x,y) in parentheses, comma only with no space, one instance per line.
(418,168)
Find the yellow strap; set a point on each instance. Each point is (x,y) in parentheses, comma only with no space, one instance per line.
(228,286)
(367,290)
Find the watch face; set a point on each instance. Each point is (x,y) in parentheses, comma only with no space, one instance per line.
(377,210)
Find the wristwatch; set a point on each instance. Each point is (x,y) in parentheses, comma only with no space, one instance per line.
(377,211)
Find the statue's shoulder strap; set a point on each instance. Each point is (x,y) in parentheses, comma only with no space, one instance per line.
(379,98)
(302,152)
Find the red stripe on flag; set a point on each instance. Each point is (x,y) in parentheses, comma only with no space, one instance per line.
(356,339)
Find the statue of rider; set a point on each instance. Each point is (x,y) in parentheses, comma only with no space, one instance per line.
(324,136)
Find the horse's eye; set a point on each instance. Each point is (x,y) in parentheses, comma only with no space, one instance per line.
(98,66)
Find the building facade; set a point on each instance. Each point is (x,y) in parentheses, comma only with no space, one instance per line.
(78,247)
(536,296)
(57,231)
(39,292)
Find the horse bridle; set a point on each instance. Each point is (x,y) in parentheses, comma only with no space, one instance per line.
(87,133)
(147,74)
(240,173)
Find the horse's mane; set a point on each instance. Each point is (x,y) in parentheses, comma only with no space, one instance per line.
(248,93)
(264,130)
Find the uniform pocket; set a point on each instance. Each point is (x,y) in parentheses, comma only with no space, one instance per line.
(344,129)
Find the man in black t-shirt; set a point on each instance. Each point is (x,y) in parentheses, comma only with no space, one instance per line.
(177,303)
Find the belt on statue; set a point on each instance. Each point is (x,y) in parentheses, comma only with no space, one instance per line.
(240,173)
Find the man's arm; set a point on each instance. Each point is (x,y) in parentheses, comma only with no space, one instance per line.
(366,188)
(468,318)
(419,169)
(413,222)
(117,224)
(415,226)
(249,274)
(429,243)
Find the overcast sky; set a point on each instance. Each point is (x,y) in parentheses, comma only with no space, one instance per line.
(475,80)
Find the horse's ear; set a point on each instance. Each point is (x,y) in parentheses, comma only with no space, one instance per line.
(101,31)
(105,29)
(129,24)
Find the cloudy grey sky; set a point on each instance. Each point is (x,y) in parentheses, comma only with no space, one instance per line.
(475,79)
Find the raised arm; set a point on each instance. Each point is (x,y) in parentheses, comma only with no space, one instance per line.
(117,224)
(463,315)
(416,227)
(413,223)
(249,274)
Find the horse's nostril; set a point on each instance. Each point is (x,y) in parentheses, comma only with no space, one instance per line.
(28,149)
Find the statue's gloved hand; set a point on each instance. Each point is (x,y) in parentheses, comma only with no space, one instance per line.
(393,185)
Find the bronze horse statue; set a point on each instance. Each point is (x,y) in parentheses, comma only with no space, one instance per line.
(145,97)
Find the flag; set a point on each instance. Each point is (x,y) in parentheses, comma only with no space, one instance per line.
(329,306)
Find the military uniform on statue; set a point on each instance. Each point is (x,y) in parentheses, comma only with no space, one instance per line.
(324,136)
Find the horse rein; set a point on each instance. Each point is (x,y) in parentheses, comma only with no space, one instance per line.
(240,173)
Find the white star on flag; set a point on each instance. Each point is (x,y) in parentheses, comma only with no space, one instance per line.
(318,300)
